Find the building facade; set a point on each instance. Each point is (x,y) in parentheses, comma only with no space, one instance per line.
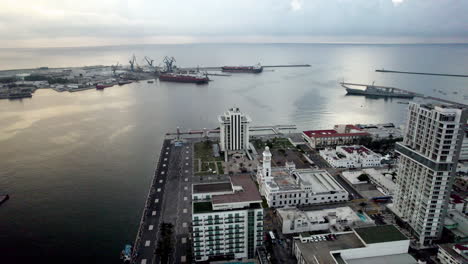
(340,135)
(464,147)
(234,130)
(426,167)
(227,219)
(351,157)
(453,254)
(290,187)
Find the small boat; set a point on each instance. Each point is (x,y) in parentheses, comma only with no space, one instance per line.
(102,86)
(126,254)
(150,81)
(4,198)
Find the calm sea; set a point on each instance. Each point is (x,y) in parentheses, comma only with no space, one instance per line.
(78,165)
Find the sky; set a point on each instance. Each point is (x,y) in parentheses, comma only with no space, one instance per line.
(63,23)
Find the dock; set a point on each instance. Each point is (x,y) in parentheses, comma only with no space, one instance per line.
(423,73)
(218,68)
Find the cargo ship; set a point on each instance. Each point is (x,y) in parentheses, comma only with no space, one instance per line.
(243,69)
(377,91)
(184,78)
(124,82)
(102,86)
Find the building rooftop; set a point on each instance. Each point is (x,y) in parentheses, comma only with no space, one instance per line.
(320,252)
(244,191)
(317,181)
(449,249)
(350,130)
(212,187)
(379,234)
(398,258)
(340,212)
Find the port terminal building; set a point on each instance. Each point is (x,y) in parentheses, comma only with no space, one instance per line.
(227,219)
(339,135)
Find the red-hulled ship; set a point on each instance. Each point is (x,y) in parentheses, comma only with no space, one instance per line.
(250,69)
(102,86)
(184,78)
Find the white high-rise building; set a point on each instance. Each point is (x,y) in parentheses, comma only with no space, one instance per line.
(234,127)
(426,167)
(227,219)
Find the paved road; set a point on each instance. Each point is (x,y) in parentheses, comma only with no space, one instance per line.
(169,201)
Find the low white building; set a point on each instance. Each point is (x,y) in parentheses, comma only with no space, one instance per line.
(452,253)
(382,131)
(366,245)
(351,157)
(290,187)
(294,220)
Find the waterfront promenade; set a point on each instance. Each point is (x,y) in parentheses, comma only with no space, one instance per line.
(169,201)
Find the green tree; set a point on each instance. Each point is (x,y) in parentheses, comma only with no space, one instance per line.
(363,177)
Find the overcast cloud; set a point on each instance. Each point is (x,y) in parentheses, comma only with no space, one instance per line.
(41,23)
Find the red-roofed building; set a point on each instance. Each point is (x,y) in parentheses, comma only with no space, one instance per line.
(340,135)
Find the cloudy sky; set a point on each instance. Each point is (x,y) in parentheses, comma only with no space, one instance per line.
(52,23)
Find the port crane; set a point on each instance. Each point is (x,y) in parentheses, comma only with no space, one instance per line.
(169,61)
(149,61)
(132,63)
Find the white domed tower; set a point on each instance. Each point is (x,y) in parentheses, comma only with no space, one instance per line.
(266,170)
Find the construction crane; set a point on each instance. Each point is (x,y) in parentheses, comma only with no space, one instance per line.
(132,63)
(169,61)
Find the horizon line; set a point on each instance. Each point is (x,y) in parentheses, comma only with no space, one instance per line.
(243,43)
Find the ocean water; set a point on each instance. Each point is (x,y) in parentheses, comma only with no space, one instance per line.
(78,165)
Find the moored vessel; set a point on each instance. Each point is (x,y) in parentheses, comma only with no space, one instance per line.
(243,69)
(124,82)
(377,91)
(102,86)
(184,78)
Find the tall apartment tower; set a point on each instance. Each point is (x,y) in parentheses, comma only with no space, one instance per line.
(426,168)
(234,127)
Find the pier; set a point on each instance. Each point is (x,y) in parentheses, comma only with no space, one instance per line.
(423,73)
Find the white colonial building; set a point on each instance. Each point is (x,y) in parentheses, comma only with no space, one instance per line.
(351,157)
(234,130)
(290,187)
(227,219)
(294,220)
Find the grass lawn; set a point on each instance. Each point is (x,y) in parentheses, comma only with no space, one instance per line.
(204,152)
(275,143)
